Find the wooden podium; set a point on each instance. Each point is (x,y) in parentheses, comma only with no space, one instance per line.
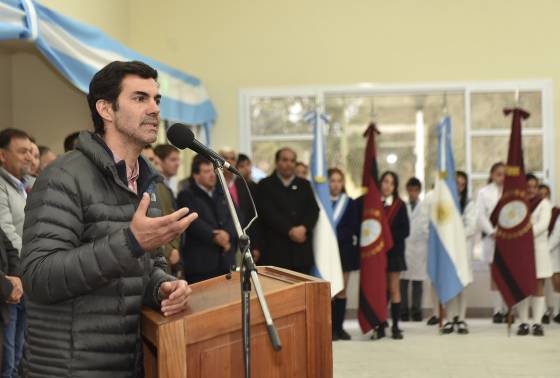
(206,341)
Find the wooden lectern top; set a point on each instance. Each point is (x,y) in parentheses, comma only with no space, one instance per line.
(205,340)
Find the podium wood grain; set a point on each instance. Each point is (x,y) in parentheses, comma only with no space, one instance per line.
(206,341)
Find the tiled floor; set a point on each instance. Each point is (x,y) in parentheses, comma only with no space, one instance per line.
(486,352)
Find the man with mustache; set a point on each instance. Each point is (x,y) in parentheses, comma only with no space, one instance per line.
(92,237)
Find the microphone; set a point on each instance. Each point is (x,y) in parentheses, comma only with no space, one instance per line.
(182,137)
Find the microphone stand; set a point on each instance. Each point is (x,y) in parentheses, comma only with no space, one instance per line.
(248,273)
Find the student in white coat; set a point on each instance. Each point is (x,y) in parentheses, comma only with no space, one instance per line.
(552,298)
(540,219)
(416,253)
(456,309)
(486,201)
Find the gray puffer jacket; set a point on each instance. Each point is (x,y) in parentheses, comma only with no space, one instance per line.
(85,276)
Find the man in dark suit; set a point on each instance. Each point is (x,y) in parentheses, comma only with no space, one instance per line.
(288,213)
(208,247)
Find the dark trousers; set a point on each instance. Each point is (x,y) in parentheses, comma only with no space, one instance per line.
(417,290)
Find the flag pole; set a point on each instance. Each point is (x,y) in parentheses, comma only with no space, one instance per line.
(509,321)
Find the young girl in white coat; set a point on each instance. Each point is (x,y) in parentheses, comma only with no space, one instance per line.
(486,201)
(540,219)
(456,309)
(416,253)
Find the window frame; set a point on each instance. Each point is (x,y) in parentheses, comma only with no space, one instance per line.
(467,88)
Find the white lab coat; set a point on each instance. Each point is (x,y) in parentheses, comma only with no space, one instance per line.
(554,246)
(486,201)
(471,227)
(416,245)
(540,219)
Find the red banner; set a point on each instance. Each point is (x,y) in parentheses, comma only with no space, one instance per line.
(513,268)
(375,241)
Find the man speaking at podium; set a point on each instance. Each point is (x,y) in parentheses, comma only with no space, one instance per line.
(92,231)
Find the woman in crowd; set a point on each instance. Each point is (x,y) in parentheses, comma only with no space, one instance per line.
(346,220)
(486,201)
(397,216)
(457,308)
(541,210)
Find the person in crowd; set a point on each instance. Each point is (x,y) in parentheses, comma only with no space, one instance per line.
(552,298)
(244,166)
(456,308)
(552,287)
(11,290)
(416,252)
(395,210)
(347,222)
(46,157)
(486,201)
(91,243)
(208,246)
(71,141)
(35,160)
(169,163)
(541,210)
(302,170)
(16,151)
(168,206)
(288,212)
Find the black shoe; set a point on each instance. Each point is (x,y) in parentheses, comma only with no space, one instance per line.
(433,320)
(498,318)
(335,336)
(396,333)
(462,328)
(557,318)
(447,328)
(416,316)
(523,329)
(545,319)
(405,317)
(343,335)
(378,332)
(538,330)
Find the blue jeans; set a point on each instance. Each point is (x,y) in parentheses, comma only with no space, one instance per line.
(13,340)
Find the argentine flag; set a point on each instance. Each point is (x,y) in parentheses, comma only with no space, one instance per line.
(325,244)
(447,246)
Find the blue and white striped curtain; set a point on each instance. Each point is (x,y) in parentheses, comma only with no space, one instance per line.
(78,51)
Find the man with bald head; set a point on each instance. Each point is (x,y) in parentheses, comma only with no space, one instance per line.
(288,213)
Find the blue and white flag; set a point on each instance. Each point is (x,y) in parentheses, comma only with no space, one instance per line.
(448,266)
(78,51)
(325,244)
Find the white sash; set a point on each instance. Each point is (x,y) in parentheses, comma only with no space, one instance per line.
(340,208)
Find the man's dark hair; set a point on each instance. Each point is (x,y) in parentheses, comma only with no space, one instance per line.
(413,182)
(544,186)
(148,147)
(197,161)
(43,150)
(242,158)
(70,141)
(279,152)
(107,85)
(7,135)
(163,151)
(531,176)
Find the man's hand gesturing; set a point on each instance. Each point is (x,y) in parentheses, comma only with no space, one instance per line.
(152,233)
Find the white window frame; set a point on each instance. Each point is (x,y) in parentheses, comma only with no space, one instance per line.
(466,88)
